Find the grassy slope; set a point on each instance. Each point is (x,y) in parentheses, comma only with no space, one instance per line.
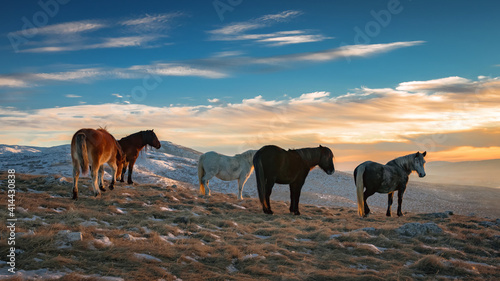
(222,238)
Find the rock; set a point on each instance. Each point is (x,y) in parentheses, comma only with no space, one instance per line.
(487,223)
(146,257)
(65,238)
(443,215)
(416,229)
(89,223)
(127,236)
(184,220)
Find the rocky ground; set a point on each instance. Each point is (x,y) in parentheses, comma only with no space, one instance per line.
(168,232)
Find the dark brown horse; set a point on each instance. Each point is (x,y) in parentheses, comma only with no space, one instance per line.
(276,165)
(93,148)
(132,145)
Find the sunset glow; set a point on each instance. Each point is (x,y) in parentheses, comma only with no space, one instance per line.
(294,75)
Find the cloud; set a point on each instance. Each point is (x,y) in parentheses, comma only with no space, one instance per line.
(12,82)
(376,124)
(72,96)
(174,69)
(240,31)
(143,31)
(337,53)
(68,28)
(86,75)
(448,84)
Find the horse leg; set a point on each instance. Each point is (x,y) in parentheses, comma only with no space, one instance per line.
(124,169)
(400,202)
(204,185)
(114,169)
(130,168)
(95,178)
(240,188)
(295,189)
(269,189)
(389,204)
(101,179)
(76,174)
(367,194)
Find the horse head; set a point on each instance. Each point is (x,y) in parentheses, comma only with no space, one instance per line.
(326,160)
(418,163)
(151,139)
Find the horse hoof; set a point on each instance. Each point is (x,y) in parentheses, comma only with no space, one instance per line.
(111,187)
(75,197)
(388,214)
(102,189)
(269,212)
(297,213)
(130,182)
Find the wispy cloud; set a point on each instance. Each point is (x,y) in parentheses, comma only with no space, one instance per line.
(87,75)
(68,28)
(391,118)
(240,31)
(219,66)
(338,53)
(448,84)
(72,96)
(141,31)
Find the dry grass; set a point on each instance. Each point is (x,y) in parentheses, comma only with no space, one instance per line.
(222,238)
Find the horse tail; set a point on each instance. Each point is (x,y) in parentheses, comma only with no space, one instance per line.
(261,181)
(201,173)
(81,151)
(358,179)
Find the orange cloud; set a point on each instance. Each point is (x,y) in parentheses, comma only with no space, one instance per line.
(418,116)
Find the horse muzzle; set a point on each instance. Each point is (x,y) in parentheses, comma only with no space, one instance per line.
(421,175)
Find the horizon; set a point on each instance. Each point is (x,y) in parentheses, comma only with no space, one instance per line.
(371,80)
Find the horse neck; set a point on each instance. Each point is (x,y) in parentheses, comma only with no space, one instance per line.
(247,155)
(404,162)
(311,156)
(137,140)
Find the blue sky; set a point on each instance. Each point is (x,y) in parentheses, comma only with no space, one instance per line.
(70,64)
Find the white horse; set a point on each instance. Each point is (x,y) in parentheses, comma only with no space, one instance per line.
(226,168)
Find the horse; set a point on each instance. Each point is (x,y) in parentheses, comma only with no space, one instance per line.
(226,168)
(387,178)
(276,165)
(92,148)
(131,146)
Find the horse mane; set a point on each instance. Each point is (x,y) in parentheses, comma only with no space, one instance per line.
(404,162)
(247,154)
(309,155)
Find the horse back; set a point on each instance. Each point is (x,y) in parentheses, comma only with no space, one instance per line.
(284,166)
(383,178)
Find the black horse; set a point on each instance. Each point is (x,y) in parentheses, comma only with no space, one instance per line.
(275,165)
(386,179)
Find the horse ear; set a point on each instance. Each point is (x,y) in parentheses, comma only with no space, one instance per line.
(425,153)
(320,145)
(418,154)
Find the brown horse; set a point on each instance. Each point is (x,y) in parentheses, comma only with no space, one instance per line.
(132,145)
(93,148)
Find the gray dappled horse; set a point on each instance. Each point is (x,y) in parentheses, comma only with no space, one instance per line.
(374,177)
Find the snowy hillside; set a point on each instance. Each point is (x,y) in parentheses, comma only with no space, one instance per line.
(175,164)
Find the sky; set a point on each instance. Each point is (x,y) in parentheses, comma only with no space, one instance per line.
(372,80)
